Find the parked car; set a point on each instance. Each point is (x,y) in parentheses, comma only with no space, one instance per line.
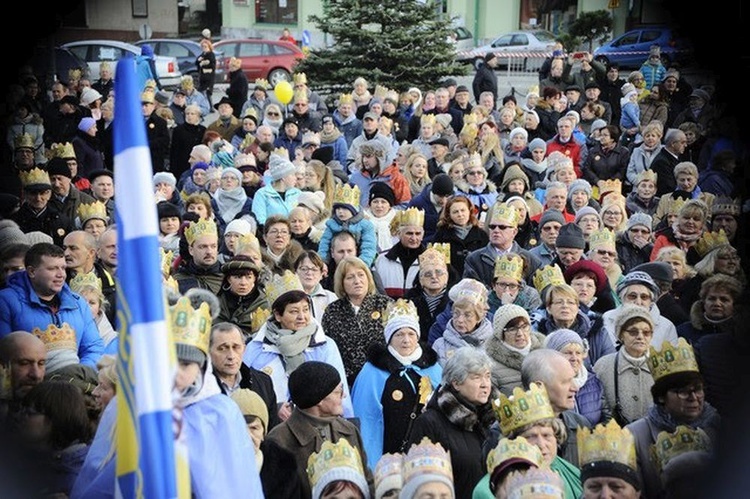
(532,41)
(462,39)
(186,52)
(48,69)
(631,49)
(94,52)
(270,59)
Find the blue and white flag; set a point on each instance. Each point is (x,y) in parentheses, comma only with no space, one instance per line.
(149,464)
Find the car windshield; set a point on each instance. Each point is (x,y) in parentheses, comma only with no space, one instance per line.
(544,36)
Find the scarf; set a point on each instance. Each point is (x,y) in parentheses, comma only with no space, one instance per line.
(291,344)
(408,359)
(230,203)
(636,361)
(581,377)
(687,238)
(433,301)
(533,165)
(664,421)
(715,322)
(327,138)
(523,351)
(462,231)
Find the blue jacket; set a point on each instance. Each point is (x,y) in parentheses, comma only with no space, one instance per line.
(340,149)
(363,231)
(351,128)
(589,400)
(431,215)
(268,201)
(21,310)
(600,344)
(289,144)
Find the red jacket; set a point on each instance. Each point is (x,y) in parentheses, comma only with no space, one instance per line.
(571,149)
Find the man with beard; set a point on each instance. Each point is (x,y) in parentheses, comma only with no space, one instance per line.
(203,269)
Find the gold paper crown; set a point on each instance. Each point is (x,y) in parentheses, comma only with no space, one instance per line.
(426,458)
(191,326)
(607,443)
(709,241)
(400,308)
(333,456)
(725,205)
(410,216)
(547,276)
(346,99)
(522,408)
(392,95)
(282,152)
(610,198)
(671,359)
(673,206)
(428,119)
(83,280)
(509,267)
(684,439)
(431,258)
(262,83)
(172,284)
(469,130)
(646,175)
(502,211)
(167,258)
(35,176)
(248,241)
(23,141)
(105,65)
(614,186)
(443,248)
(150,84)
(74,74)
(258,317)
(280,284)
(300,79)
(97,209)
(346,194)
(380,92)
(300,96)
(57,338)
(539,483)
(470,119)
(147,96)
(474,160)
(63,150)
(186,82)
(602,238)
(534,89)
(388,468)
(201,228)
(515,448)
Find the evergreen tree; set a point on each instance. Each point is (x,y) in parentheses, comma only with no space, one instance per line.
(395,43)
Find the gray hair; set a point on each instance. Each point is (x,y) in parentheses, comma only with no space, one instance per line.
(195,108)
(673,135)
(537,366)
(555,185)
(465,361)
(223,327)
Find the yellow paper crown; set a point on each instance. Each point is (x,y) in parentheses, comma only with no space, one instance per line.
(333,456)
(148,96)
(191,326)
(509,267)
(258,317)
(346,194)
(392,95)
(725,205)
(300,96)
(410,216)
(534,89)
(82,281)
(431,258)
(426,458)
(646,175)
(346,99)
(150,84)
(684,439)
(400,308)
(470,131)
(709,241)
(502,212)
(105,65)
(300,79)
(673,206)
(443,248)
(282,152)
(539,483)
(380,92)
(280,284)
(57,337)
(470,119)
(167,258)
(74,74)
(522,408)
(63,150)
(612,198)
(474,160)
(517,448)
(548,275)
(602,238)
(35,176)
(23,141)
(171,284)
(614,186)
(671,359)
(387,473)
(97,209)
(262,83)
(607,443)
(201,228)
(428,119)
(248,241)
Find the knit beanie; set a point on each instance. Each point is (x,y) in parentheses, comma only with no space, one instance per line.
(659,271)
(381,190)
(200,165)
(233,171)
(597,124)
(252,406)
(312,200)
(551,216)
(10,233)
(311,382)
(538,143)
(86,123)
(587,210)
(166,209)
(629,311)
(189,353)
(579,185)
(637,277)
(505,314)
(557,340)
(58,166)
(164,178)
(279,167)
(400,321)
(37,236)
(239,226)
(442,185)
(514,172)
(519,131)
(570,236)
(639,218)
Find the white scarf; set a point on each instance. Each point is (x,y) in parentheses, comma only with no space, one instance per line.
(581,377)
(408,359)
(523,351)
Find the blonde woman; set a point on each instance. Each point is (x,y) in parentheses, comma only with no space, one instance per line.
(613,213)
(682,273)
(318,177)
(492,154)
(415,171)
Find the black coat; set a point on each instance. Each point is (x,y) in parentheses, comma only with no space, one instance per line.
(184,138)
(50,221)
(426,318)
(260,383)
(485,80)
(460,248)
(158,141)
(279,472)
(663,165)
(237,91)
(629,255)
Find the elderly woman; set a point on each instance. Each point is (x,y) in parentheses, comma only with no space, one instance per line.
(588,219)
(580,195)
(685,232)
(682,273)
(281,251)
(106,389)
(398,267)
(516,146)
(603,250)
(686,179)
(642,155)
(635,243)
(430,293)
(355,320)
(481,192)
(280,194)
(291,336)
(459,415)
(613,212)
(311,269)
(234,231)
(595,296)
(714,311)
(200,204)
(563,312)
(240,295)
(509,285)
(717,257)
(512,339)
(303,230)
(459,226)
(394,384)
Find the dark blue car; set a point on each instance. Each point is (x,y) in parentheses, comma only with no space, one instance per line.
(631,49)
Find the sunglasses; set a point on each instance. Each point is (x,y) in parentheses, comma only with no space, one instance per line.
(273,114)
(499,227)
(607,253)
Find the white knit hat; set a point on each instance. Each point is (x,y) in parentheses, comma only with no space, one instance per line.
(505,314)
(279,167)
(239,226)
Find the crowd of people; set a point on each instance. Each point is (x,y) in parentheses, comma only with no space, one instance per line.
(398,294)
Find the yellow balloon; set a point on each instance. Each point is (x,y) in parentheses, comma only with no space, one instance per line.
(284,92)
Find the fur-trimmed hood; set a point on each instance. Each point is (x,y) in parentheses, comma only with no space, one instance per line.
(501,354)
(461,412)
(463,186)
(700,323)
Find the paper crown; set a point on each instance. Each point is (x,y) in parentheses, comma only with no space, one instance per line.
(150,84)
(97,209)
(724,205)
(148,96)
(167,258)
(443,248)
(346,99)
(258,317)
(602,238)
(646,175)
(23,141)
(428,119)
(401,308)
(426,458)
(469,131)
(522,408)
(469,289)
(509,267)
(35,176)
(171,284)
(470,119)
(709,241)
(300,96)
(392,95)
(83,280)
(331,457)
(387,474)
(607,443)
(672,206)
(474,160)
(191,326)
(607,186)
(611,198)
(684,439)
(410,216)
(539,483)
(517,448)
(380,91)
(671,360)
(63,150)
(311,137)
(262,83)
(55,337)
(505,213)
(280,284)
(300,79)
(74,74)
(281,152)
(547,276)
(346,194)
(248,242)
(201,228)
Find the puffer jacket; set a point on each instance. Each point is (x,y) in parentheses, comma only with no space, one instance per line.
(506,363)
(592,331)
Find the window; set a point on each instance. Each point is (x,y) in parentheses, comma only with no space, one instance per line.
(627,39)
(173,50)
(251,50)
(276,11)
(140,8)
(520,40)
(650,35)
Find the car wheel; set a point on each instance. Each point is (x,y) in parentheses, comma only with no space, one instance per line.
(278,75)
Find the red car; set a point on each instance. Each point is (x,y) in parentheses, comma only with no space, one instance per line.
(269,59)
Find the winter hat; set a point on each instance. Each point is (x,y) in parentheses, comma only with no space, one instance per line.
(557,339)
(200,165)
(36,236)
(627,88)
(312,200)
(89,95)
(593,268)
(311,382)
(444,119)
(514,172)
(232,171)
(387,474)
(381,190)
(162,98)
(372,148)
(597,124)
(252,406)
(659,271)
(575,115)
(639,218)
(164,178)
(244,162)
(442,185)
(11,233)
(401,314)
(147,51)
(579,184)
(189,353)
(469,289)
(701,94)
(519,131)
(9,204)
(86,123)
(440,141)
(570,236)
(637,277)
(336,462)
(323,154)
(587,210)
(239,226)
(654,51)
(505,314)
(537,143)
(426,462)
(279,167)
(167,210)
(551,216)
(672,73)
(628,312)
(201,152)
(58,166)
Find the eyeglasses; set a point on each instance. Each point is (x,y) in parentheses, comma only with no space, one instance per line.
(612,213)
(437,273)
(525,329)
(277,232)
(567,303)
(475,172)
(270,113)
(499,227)
(636,230)
(684,393)
(308,270)
(603,252)
(507,285)
(635,332)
